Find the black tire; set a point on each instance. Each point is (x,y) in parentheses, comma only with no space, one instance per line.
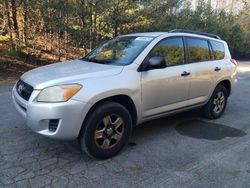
(99,117)
(209,108)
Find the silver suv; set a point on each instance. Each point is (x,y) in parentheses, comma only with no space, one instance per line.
(124,82)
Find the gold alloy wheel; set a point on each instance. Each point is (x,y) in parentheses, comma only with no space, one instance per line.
(109,131)
(219,102)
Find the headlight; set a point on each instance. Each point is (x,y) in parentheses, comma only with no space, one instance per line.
(60,93)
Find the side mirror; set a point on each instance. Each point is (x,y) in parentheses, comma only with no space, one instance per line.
(156,62)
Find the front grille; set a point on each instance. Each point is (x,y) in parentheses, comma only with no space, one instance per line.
(24,90)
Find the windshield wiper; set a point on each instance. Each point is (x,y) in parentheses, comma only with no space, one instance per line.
(97,61)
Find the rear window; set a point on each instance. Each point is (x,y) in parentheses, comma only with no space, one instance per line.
(218,49)
(198,50)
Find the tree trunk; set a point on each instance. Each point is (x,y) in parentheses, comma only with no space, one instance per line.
(51,32)
(232,6)
(59,46)
(95,24)
(197,3)
(66,40)
(9,24)
(116,29)
(14,18)
(220,5)
(84,26)
(209,2)
(91,26)
(25,22)
(116,23)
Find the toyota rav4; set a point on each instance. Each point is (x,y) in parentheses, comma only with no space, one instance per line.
(123,82)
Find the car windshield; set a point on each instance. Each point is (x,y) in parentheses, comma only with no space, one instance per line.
(118,51)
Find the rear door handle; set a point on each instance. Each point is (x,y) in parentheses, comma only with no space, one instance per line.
(217,69)
(185,73)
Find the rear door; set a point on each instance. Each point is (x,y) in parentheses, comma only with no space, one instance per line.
(201,69)
(218,58)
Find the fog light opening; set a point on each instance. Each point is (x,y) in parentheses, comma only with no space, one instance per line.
(53,124)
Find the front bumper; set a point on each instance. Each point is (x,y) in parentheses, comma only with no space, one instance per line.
(70,115)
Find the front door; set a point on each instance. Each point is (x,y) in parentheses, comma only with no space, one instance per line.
(166,89)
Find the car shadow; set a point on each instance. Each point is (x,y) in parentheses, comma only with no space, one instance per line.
(188,124)
(207,130)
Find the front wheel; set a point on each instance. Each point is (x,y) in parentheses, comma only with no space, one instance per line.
(217,103)
(106,130)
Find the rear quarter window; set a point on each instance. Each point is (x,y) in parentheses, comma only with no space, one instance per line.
(218,49)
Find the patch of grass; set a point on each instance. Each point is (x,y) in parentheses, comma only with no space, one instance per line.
(14,54)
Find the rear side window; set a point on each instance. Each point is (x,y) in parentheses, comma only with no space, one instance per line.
(198,50)
(172,49)
(218,49)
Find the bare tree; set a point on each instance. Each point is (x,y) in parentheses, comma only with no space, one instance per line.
(25,21)
(14,18)
(209,2)
(7,12)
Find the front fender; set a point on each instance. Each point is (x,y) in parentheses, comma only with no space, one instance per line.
(97,89)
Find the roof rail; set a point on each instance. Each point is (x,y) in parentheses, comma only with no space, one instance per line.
(194,32)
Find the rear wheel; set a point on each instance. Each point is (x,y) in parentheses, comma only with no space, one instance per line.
(217,103)
(106,130)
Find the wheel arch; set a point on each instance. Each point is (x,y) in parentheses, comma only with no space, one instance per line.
(227,84)
(122,99)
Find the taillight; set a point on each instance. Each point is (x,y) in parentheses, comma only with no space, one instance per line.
(233,61)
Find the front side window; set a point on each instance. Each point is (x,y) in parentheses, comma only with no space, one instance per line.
(171,49)
(198,50)
(118,51)
(218,49)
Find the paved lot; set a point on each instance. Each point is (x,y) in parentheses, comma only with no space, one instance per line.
(180,151)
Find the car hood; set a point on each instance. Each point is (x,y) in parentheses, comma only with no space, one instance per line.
(67,72)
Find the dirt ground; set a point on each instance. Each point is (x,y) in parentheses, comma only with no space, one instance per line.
(10,71)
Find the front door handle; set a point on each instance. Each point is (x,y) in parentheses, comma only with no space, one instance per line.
(185,73)
(217,69)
